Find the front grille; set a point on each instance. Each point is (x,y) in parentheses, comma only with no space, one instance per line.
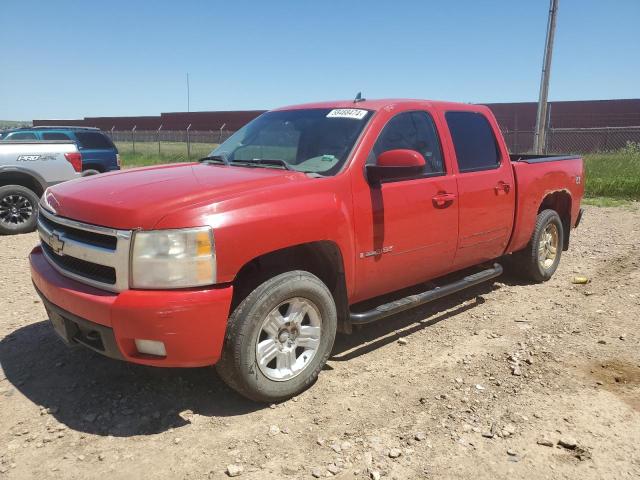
(89,270)
(91,254)
(98,239)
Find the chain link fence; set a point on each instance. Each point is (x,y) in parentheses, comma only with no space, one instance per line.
(187,144)
(574,140)
(173,144)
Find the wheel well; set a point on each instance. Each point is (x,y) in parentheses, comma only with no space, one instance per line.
(92,166)
(323,259)
(23,179)
(561,203)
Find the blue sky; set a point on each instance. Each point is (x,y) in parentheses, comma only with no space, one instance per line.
(69,59)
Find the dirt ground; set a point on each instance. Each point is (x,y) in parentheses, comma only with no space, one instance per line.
(480,385)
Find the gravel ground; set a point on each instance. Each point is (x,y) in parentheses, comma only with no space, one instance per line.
(508,380)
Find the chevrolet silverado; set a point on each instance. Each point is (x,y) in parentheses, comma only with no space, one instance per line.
(253,258)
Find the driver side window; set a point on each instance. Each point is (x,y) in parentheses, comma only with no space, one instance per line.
(412,131)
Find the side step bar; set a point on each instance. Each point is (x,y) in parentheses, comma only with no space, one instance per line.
(413,301)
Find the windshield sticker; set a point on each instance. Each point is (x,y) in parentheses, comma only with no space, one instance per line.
(354,113)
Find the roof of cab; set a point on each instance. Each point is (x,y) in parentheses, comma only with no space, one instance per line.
(379,104)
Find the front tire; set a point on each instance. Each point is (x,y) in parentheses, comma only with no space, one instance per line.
(18,210)
(539,260)
(279,337)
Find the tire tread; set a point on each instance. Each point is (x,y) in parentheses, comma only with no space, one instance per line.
(526,260)
(229,367)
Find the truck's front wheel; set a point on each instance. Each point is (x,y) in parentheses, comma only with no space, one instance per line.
(279,337)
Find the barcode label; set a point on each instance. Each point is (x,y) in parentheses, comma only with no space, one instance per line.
(354,113)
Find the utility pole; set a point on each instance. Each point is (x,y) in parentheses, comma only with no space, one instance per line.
(188,99)
(539,140)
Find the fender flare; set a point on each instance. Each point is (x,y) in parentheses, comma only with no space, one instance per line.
(24,171)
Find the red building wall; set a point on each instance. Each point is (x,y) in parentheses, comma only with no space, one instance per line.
(511,116)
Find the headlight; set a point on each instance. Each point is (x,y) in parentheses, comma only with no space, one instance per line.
(173,258)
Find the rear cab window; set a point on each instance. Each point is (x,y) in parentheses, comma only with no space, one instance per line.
(474,141)
(94,141)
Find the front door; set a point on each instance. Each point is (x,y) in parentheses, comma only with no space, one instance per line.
(406,230)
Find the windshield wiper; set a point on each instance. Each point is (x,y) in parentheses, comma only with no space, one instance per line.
(265,161)
(215,159)
(256,162)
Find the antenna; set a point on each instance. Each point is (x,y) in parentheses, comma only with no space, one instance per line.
(359,98)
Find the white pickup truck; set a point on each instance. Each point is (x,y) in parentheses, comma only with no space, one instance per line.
(27,168)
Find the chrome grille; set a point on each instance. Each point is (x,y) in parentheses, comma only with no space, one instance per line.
(97,256)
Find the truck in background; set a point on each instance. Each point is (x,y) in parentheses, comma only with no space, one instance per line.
(99,153)
(27,169)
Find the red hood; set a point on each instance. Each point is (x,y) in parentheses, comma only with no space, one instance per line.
(139,198)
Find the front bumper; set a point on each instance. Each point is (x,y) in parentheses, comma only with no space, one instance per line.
(191,322)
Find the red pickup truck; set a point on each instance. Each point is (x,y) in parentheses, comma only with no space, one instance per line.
(253,258)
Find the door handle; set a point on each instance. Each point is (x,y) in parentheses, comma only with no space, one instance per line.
(443,200)
(502,188)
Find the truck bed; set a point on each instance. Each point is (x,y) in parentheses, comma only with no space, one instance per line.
(537,177)
(534,158)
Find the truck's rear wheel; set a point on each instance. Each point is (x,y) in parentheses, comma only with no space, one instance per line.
(18,210)
(540,259)
(279,337)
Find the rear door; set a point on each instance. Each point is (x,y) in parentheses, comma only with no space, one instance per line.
(485,188)
(406,229)
(98,152)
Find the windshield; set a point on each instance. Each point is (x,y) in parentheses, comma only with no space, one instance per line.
(311,140)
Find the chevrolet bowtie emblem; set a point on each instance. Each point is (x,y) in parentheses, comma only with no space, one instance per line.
(56,243)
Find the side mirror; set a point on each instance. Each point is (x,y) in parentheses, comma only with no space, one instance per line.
(395,165)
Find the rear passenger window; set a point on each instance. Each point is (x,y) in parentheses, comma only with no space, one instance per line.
(412,131)
(473,139)
(93,140)
(21,136)
(55,136)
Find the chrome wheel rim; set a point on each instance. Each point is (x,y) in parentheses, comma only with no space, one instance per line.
(289,339)
(548,246)
(15,209)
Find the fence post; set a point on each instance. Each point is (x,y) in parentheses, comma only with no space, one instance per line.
(133,138)
(516,147)
(112,129)
(159,128)
(220,136)
(188,143)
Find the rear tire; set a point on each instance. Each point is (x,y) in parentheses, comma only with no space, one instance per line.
(279,337)
(18,210)
(539,260)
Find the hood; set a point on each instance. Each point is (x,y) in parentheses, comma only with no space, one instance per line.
(139,198)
